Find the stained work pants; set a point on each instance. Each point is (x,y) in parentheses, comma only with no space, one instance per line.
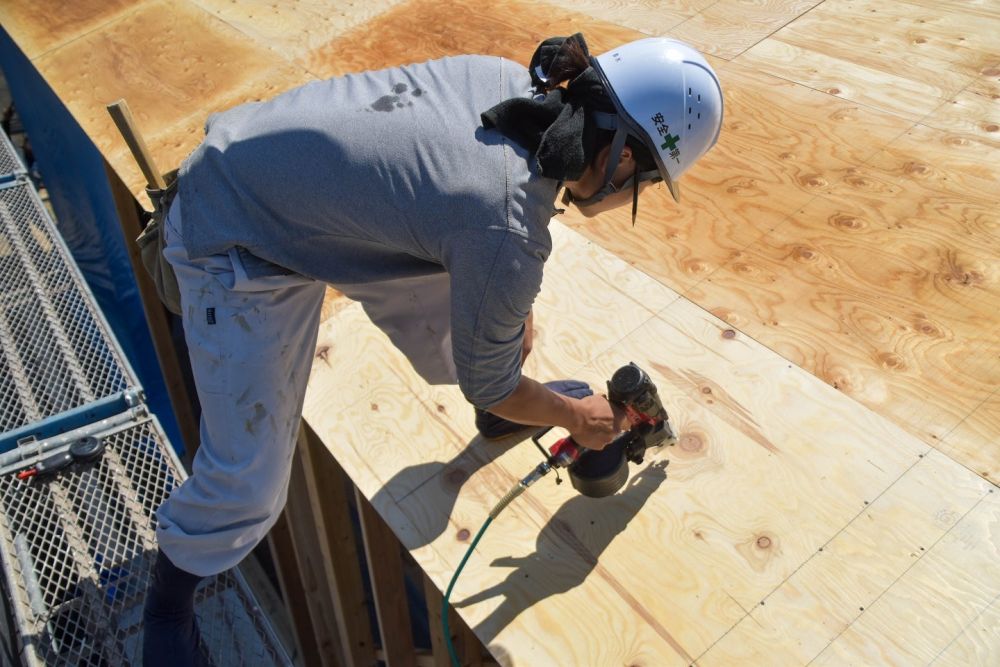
(251,344)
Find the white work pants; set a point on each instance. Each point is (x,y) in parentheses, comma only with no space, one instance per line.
(251,344)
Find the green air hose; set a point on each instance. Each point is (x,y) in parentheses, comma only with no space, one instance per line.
(454,578)
(515,491)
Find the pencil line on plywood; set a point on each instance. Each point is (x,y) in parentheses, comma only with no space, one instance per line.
(780,28)
(901,575)
(964,628)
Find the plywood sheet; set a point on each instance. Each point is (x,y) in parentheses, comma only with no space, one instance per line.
(650,17)
(892,56)
(974,441)
(953,586)
(729,27)
(845,576)
(294,29)
(772,465)
(38,26)
(171,61)
(974,111)
(902,288)
(511,28)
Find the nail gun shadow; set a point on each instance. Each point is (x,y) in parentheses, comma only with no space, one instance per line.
(439,484)
(566,551)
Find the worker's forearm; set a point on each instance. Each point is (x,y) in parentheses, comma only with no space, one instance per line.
(534,404)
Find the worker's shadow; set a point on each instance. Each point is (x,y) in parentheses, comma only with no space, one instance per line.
(566,551)
(439,483)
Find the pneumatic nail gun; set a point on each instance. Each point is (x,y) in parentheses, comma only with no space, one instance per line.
(601,473)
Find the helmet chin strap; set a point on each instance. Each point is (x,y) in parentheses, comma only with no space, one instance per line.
(609,121)
(604,121)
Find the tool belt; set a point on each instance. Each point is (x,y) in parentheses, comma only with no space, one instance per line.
(151,244)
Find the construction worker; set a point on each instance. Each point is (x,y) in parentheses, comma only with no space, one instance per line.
(424,192)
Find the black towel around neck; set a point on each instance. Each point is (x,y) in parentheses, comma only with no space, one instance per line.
(555,125)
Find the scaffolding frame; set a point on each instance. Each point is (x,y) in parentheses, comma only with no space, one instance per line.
(77,547)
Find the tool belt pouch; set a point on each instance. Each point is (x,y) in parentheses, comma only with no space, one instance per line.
(151,244)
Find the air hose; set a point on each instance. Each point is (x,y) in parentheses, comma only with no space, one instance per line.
(515,491)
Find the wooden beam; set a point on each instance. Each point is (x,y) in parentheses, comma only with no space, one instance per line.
(157,317)
(279,540)
(328,488)
(385,567)
(439,650)
(312,558)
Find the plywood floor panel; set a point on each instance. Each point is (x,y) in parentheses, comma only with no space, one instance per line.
(893,56)
(727,28)
(802,616)
(295,29)
(974,441)
(758,483)
(41,25)
(186,60)
(979,642)
(975,111)
(651,17)
(512,29)
(903,328)
(914,41)
(952,586)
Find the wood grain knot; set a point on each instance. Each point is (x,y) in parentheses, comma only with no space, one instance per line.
(990,71)
(691,442)
(442,409)
(813,181)
(833,91)
(787,156)
(992,127)
(917,168)
(694,266)
(962,277)
(957,141)
(890,361)
(804,254)
(706,390)
(920,40)
(323,352)
(729,334)
(462,535)
(847,222)
(374,407)
(926,328)
(764,542)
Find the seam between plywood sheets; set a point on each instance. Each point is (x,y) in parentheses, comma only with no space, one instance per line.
(917,560)
(101,26)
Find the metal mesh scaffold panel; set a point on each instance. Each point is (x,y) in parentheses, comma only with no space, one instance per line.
(77,551)
(9,162)
(56,353)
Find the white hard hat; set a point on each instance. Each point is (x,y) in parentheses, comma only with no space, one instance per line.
(667,96)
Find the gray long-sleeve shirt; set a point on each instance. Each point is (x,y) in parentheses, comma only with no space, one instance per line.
(384,175)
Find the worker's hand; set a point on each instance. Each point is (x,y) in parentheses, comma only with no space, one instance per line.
(598,422)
